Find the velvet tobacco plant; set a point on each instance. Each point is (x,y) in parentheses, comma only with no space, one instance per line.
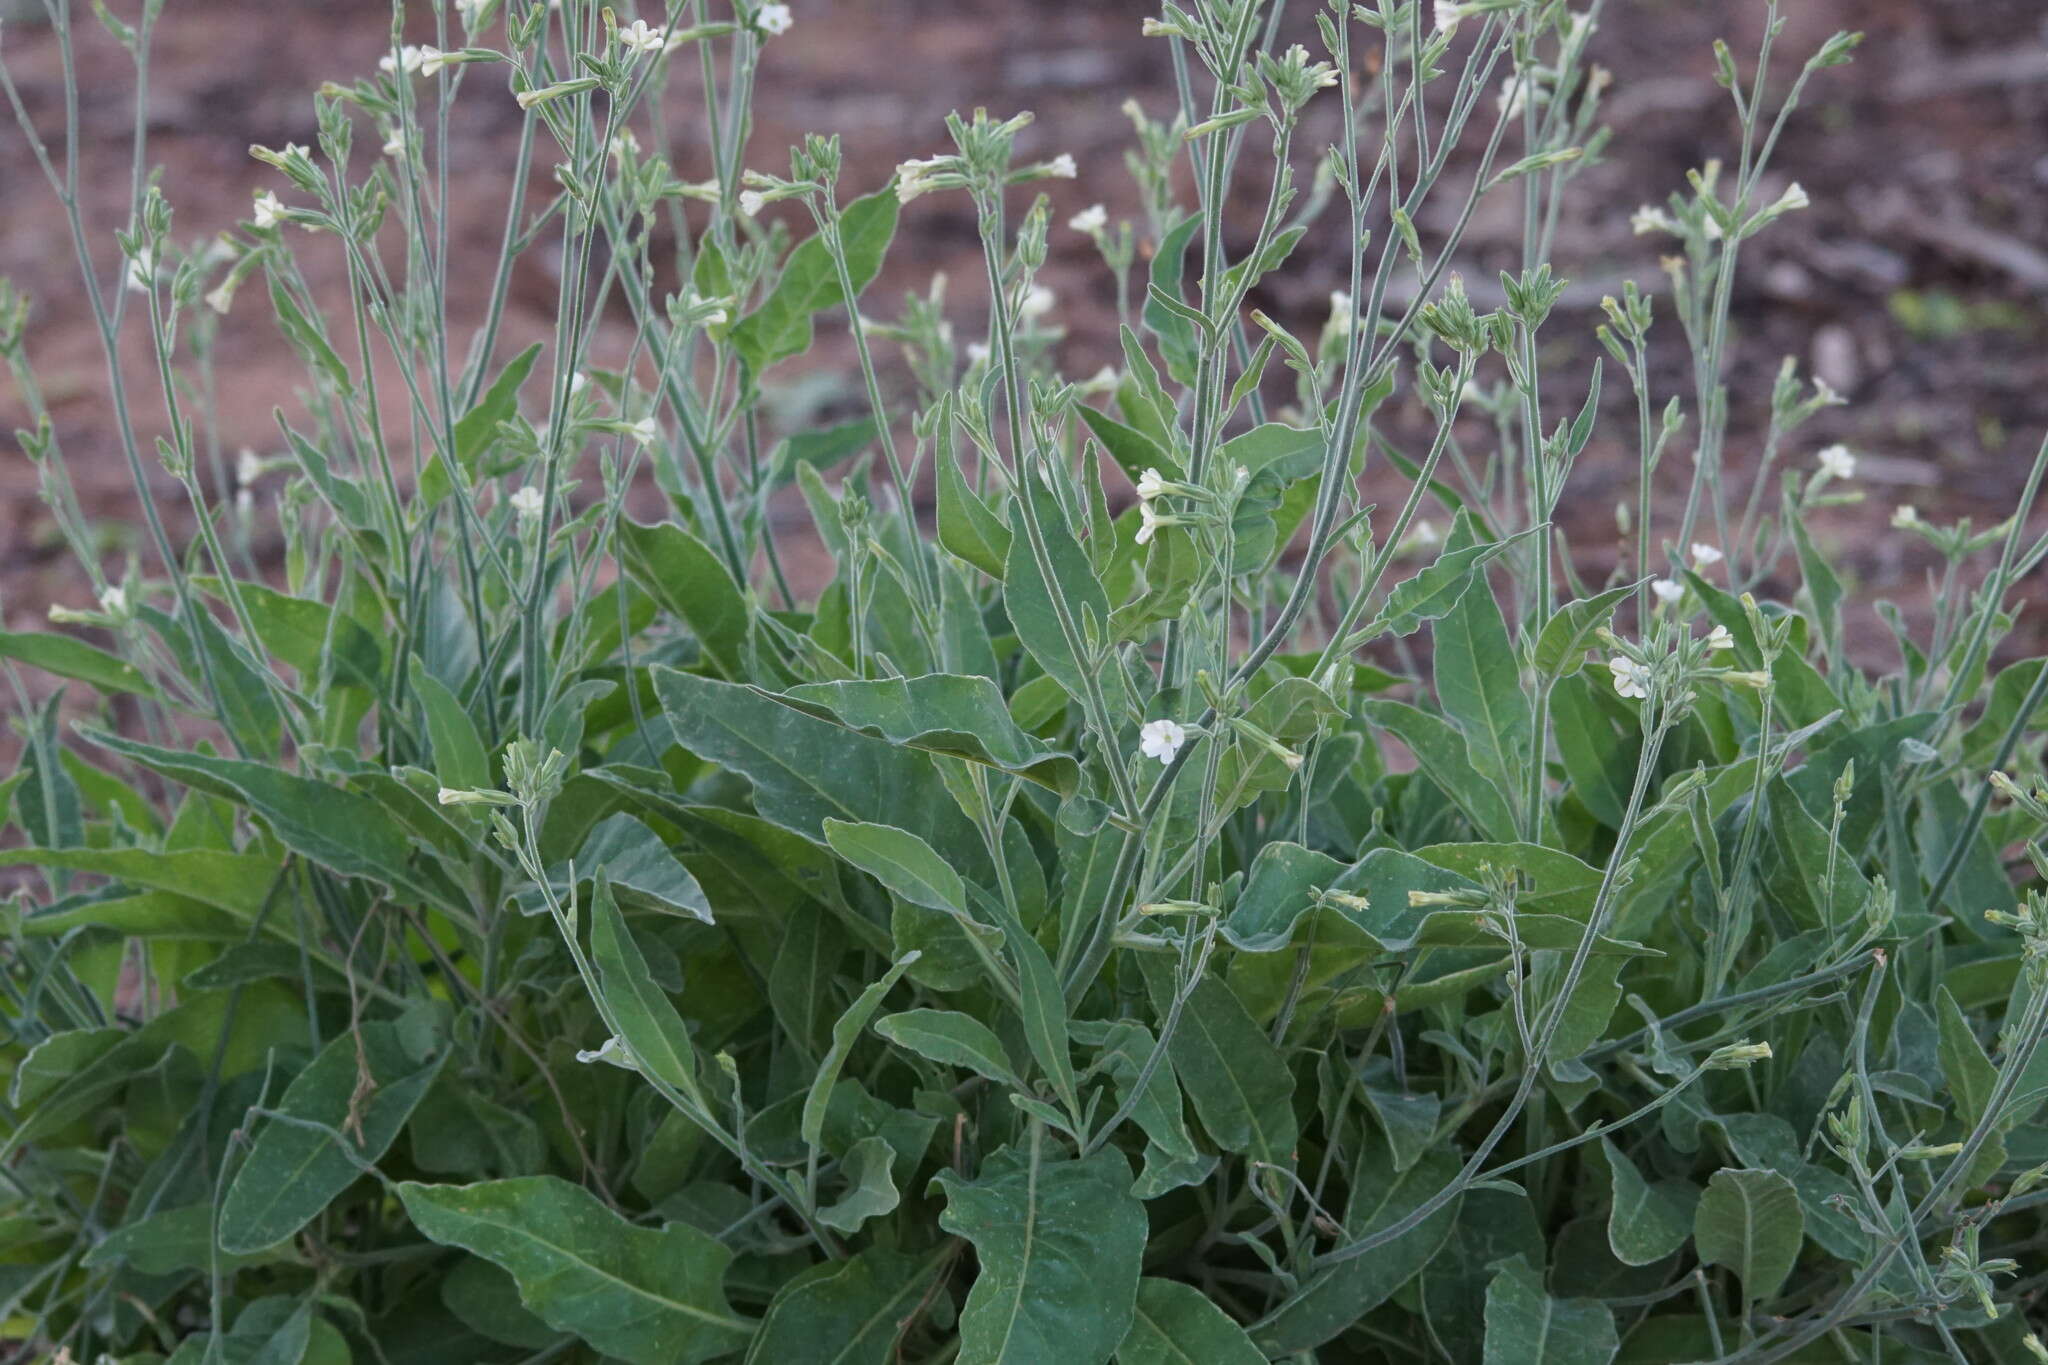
(1092,926)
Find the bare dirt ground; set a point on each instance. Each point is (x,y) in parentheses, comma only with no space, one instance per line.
(1916,284)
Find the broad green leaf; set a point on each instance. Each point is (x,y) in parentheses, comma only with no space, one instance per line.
(1175,1324)
(800,979)
(172,1240)
(819,449)
(845,1312)
(645,1016)
(1126,1046)
(1334,1297)
(1481,688)
(1971,1075)
(278,1330)
(1133,451)
(1445,758)
(293,1172)
(1035,604)
(806,770)
(338,829)
(70,658)
(901,861)
(1525,1326)
(960,716)
(781,327)
(1803,696)
(486,1299)
(844,1034)
(870,1188)
(693,584)
(638,1293)
(2001,708)
(642,872)
(1238,1080)
(1750,1222)
(1434,591)
(500,403)
(460,760)
(239,883)
(1647,1222)
(1493,1225)
(951,1039)
(1176,336)
(1571,630)
(1059,1242)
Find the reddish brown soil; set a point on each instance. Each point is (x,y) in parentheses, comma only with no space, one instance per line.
(1927,161)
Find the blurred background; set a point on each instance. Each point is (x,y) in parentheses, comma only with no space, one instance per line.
(1917,284)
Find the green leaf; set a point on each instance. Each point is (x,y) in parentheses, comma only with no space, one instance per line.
(1133,451)
(960,716)
(901,861)
(800,979)
(1750,1221)
(806,771)
(1525,1326)
(844,1034)
(460,760)
(351,834)
(239,883)
(1044,1008)
(1060,1242)
(1238,1080)
(781,326)
(1481,688)
(1442,753)
(1570,632)
(967,526)
(70,658)
(951,1039)
(646,1018)
(1030,598)
(1175,1324)
(638,1293)
(818,449)
(1971,1075)
(641,870)
(1434,591)
(293,1172)
(691,583)
(1176,336)
(500,403)
(1647,1222)
(871,1189)
(844,1313)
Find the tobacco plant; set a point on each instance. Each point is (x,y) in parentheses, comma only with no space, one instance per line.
(1148,904)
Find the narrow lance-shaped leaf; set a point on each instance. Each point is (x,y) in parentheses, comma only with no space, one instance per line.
(844,1033)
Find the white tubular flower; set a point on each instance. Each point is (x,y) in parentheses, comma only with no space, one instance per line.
(526,502)
(624,144)
(774,20)
(1906,517)
(1161,739)
(646,431)
(1648,219)
(977,353)
(1838,462)
(1037,303)
(1448,13)
(614,1051)
(1090,220)
(431,60)
(914,177)
(1148,524)
(394,146)
(142,269)
(114,600)
(1793,199)
(472,12)
(1424,534)
(406,59)
(1705,556)
(1341,312)
(269,210)
(752,202)
(248,469)
(1631,679)
(1711,228)
(1719,639)
(1062,167)
(1514,96)
(1151,484)
(222,298)
(642,38)
(1667,590)
(245,503)
(578,382)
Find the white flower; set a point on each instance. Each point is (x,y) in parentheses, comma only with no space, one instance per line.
(1648,219)
(1062,167)
(222,298)
(641,37)
(752,202)
(1711,228)
(614,1051)
(1448,13)
(1161,739)
(407,58)
(1792,199)
(472,12)
(142,269)
(1341,312)
(914,177)
(1631,679)
(1424,533)
(1149,523)
(1151,484)
(394,145)
(578,382)
(977,353)
(774,19)
(1705,556)
(1090,220)
(432,59)
(248,468)
(624,143)
(1667,590)
(1105,379)
(1719,639)
(1907,517)
(1514,95)
(526,502)
(114,600)
(646,431)
(1838,462)
(245,503)
(1037,303)
(1581,28)
(268,208)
